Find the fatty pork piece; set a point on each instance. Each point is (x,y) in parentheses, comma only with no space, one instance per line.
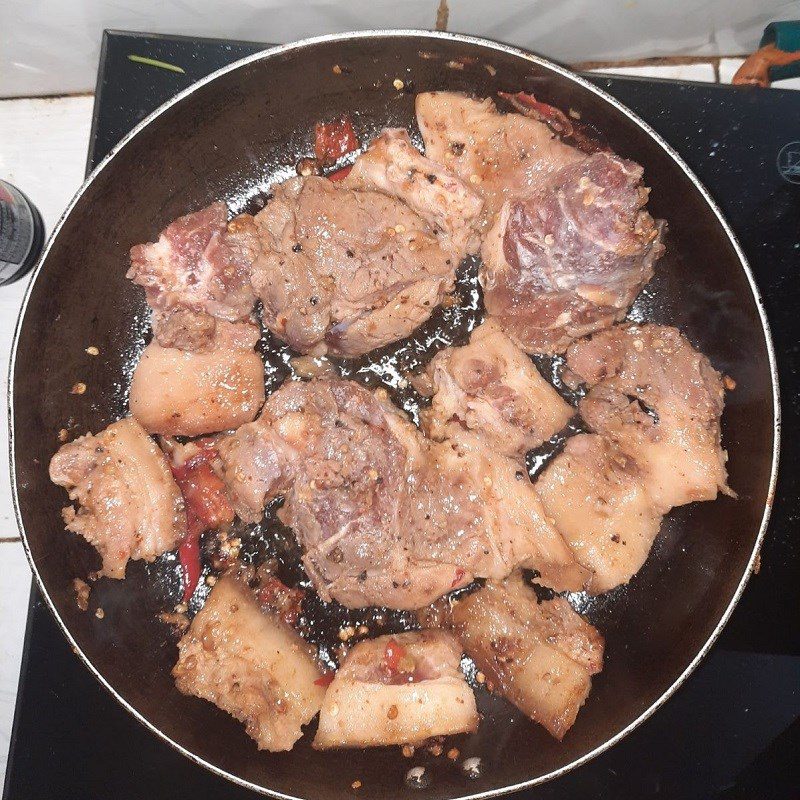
(189,393)
(345,271)
(129,506)
(384,516)
(660,401)
(492,388)
(399,689)
(392,165)
(540,656)
(596,496)
(504,156)
(570,258)
(251,664)
(197,272)
(477,509)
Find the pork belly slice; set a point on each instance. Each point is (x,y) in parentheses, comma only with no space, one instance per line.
(477,509)
(492,388)
(540,656)
(346,271)
(251,664)
(129,506)
(395,690)
(384,516)
(596,496)
(392,165)
(660,401)
(200,265)
(503,156)
(570,259)
(188,393)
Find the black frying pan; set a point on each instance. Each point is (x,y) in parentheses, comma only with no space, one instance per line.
(227,137)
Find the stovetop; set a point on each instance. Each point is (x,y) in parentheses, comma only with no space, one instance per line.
(733,729)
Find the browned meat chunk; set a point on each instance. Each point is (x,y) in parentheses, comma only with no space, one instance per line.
(504,156)
(660,401)
(201,266)
(570,258)
(384,516)
(250,664)
(185,393)
(493,389)
(346,271)
(448,204)
(129,506)
(396,690)
(540,656)
(596,496)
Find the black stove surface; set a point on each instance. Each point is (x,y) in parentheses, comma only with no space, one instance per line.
(733,729)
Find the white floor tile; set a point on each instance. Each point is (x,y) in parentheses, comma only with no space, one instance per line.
(677,72)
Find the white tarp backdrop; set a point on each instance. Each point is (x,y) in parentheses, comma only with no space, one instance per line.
(52,46)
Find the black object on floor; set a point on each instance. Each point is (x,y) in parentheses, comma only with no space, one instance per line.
(732,730)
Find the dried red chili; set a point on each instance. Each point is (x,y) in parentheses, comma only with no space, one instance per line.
(334,139)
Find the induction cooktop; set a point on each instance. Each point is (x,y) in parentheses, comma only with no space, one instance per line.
(733,729)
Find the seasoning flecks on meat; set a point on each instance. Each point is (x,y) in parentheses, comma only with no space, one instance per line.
(493,389)
(250,664)
(200,265)
(129,506)
(570,258)
(346,271)
(597,498)
(399,689)
(660,401)
(540,656)
(176,392)
(449,204)
(386,517)
(504,156)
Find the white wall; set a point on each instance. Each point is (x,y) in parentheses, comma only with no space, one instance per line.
(52,46)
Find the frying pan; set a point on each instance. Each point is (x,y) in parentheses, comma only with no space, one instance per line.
(228,137)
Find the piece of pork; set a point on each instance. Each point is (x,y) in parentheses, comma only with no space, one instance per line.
(384,516)
(391,164)
(570,259)
(201,266)
(346,271)
(251,664)
(399,689)
(660,401)
(477,509)
(540,656)
(189,393)
(503,156)
(596,496)
(129,506)
(493,389)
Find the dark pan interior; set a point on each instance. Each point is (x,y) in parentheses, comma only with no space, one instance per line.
(227,140)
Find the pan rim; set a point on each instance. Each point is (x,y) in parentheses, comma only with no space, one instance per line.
(586,85)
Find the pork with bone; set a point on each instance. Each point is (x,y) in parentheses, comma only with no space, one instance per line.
(189,393)
(346,271)
(384,516)
(504,156)
(397,689)
(251,664)
(197,272)
(597,498)
(493,389)
(449,204)
(538,655)
(571,258)
(129,506)
(660,401)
